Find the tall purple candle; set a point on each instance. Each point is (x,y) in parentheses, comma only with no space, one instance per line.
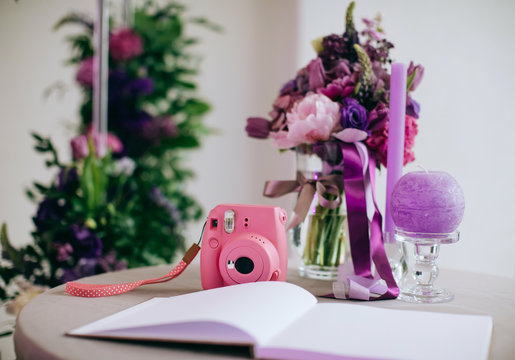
(395,155)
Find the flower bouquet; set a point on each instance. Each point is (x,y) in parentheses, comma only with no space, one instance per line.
(125,207)
(335,108)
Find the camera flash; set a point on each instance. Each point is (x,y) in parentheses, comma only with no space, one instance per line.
(229,221)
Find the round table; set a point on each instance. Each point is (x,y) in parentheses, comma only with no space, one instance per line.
(43,322)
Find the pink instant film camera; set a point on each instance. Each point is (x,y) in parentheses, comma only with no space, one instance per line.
(243,243)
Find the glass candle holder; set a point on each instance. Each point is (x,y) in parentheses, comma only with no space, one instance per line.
(418,287)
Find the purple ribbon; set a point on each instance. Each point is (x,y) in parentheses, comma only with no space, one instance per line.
(361,285)
(307,188)
(354,187)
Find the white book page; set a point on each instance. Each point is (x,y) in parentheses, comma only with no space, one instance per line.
(355,331)
(260,309)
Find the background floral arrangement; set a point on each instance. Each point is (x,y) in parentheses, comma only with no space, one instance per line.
(342,94)
(127,207)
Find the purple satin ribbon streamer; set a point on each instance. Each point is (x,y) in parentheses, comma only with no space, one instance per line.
(361,285)
(354,187)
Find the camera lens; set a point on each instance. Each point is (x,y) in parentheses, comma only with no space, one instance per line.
(244,265)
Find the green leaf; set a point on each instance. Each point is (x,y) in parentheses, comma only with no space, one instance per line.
(75,18)
(196,107)
(42,188)
(410,79)
(30,194)
(14,255)
(206,23)
(36,136)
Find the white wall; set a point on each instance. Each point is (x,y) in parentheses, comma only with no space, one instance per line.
(465,126)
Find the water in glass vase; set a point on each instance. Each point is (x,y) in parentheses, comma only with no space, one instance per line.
(321,240)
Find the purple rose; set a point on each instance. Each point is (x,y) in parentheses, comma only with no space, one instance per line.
(353,115)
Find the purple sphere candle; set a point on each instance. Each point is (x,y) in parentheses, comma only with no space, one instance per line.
(427,202)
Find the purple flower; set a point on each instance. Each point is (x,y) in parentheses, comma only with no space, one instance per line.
(118,80)
(353,115)
(334,49)
(108,262)
(140,86)
(162,201)
(289,87)
(412,108)
(159,127)
(342,69)
(85,267)
(316,74)
(417,72)
(85,73)
(80,147)
(124,44)
(257,127)
(49,210)
(372,29)
(338,89)
(63,251)
(168,127)
(68,179)
(377,117)
(86,244)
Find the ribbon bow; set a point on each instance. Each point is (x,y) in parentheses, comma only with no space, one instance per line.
(324,186)
(363,216)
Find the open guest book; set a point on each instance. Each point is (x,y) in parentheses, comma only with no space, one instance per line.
(280,320)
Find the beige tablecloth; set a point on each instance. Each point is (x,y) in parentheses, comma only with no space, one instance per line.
(41,325)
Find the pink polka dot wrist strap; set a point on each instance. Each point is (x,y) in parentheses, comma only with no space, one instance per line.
(97,290)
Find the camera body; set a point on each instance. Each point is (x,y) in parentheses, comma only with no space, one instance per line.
(243,243)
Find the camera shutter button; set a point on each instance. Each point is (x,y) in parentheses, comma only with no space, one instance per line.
(213,243)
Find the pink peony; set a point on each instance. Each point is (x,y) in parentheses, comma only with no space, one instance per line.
(310,120)
(124,44)
(378,141)
(85,74)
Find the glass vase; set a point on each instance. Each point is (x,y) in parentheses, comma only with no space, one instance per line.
(321,240)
